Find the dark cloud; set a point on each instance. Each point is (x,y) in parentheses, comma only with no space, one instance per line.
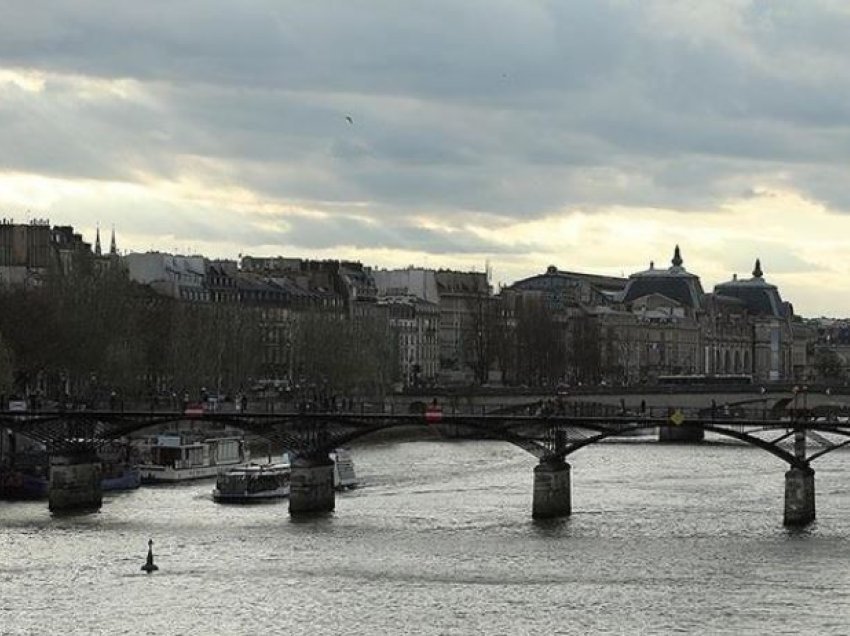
(321,233)
(503,109)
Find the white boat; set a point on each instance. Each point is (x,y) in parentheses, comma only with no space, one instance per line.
(175,458)
(344,476)
(256,482)
(253,482)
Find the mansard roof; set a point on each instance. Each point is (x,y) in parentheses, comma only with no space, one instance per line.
(563,289)
(675,283)
(554,278)
(760,297)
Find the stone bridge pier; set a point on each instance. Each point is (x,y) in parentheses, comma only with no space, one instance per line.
(312,486)
(799,496)
(552,497)
(799,487)
(75,482)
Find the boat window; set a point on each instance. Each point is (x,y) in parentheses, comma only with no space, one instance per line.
(195,455)
(165,455)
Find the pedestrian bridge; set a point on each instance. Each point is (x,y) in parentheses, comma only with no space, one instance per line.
(551,435)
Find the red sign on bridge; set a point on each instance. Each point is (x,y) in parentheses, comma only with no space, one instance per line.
(433,413)
(194,410)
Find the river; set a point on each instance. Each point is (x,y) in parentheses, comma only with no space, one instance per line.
(439,540)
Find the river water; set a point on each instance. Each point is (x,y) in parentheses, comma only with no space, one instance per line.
(439,540)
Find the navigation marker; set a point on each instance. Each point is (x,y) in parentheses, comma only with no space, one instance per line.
(149,565)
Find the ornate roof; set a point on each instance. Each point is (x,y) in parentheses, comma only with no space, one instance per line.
(564,288)
(675,283)
(555,278)
(760,297)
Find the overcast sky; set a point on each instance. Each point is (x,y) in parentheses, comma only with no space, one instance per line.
(593,135)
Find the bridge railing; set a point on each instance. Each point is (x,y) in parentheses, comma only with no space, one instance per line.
(553,407)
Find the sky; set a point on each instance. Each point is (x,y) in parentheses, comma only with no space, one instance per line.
(593,135)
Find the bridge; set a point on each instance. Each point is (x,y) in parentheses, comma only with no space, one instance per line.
(551,435)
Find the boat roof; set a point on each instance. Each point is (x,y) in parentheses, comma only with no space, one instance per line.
(258,468)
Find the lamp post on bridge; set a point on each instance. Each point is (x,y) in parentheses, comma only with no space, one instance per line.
(799,431)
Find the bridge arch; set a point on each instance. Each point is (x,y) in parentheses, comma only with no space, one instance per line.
(543,437)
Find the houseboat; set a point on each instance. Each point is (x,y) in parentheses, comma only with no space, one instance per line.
(27,474)
(176,457)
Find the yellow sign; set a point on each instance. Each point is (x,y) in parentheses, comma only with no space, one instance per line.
(678,417)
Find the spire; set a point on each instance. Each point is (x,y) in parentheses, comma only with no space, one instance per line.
(757,273)
(113,249)
(97,242)
(677,258)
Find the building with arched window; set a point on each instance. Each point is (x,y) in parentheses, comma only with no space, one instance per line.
(769,347)
(660,321)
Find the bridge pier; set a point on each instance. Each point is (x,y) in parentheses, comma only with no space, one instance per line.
(799,497)
(75,482)
(552,496)
(311,488)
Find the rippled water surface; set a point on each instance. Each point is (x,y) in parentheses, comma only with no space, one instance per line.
(439,540)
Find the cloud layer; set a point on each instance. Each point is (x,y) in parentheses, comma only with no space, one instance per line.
(523,132)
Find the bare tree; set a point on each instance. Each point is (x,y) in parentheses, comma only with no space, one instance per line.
(587,357)
(540,343)
(6,369)
(481,336)
(340,355)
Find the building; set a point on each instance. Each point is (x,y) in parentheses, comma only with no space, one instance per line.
(30,252)
(562,290)
(276,301)
(465,300)
(742,328)
(657,322)
(767,351)
(173,275)
(415,281)
(415,323)
(546,323)
(350,281)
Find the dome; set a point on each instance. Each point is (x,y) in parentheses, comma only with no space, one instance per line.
(760,297)
(675,282)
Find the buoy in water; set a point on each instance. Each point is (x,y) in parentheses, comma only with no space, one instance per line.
(149,565)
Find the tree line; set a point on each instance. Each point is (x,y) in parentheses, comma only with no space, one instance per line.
(530,343)
(91,335)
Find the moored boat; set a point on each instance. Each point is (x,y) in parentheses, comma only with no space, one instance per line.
(29,476)
(123,477)
(17,482)
(175,457)
(344,476)
(119,465)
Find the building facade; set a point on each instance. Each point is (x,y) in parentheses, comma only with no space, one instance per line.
(174,275)
(29,252)
(660,322)
(415,325)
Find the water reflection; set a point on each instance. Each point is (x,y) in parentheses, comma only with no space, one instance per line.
(439,540)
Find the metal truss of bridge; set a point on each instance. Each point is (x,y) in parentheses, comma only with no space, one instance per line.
(72,439)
